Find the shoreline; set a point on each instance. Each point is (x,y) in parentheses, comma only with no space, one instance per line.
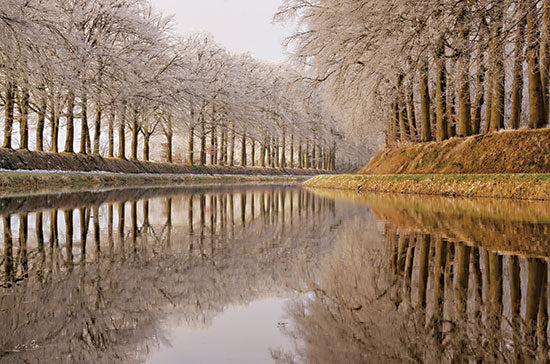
(504,186)
(33,182)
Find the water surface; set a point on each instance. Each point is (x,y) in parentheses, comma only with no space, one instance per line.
(271,274)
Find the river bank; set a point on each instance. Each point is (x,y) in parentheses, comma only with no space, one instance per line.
(511,151)
(509,164)
(13,183)
(21,160)
(514,186)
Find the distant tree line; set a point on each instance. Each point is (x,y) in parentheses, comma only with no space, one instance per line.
(428,70)
(94,76)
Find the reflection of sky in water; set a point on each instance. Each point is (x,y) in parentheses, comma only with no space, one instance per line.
(241,334)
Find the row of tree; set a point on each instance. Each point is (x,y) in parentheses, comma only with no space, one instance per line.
(85,76)
(436,69)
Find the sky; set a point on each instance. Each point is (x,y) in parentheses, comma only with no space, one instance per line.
(237,25)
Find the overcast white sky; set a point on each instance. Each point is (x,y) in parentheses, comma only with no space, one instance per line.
(238,25)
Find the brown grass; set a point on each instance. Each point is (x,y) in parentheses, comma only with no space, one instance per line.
(514,186)
(519,151)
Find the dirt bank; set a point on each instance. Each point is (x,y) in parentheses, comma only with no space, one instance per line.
(26,160)
(516,186)
(523,151)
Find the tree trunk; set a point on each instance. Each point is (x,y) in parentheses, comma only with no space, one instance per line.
(221,155)
(488,106)
(40,125)
(497,59)
(411,114)
(243,150)
(146,138)
(253,153)
(480,84)
(24,123)
(517,86)
(97,129)
(545,57)
(313,156)
(169,147)
(122,133)
(54,115)
(393,126)
(262,152)
(135,135)
(225,148)
(536,95)
(425,104)
(203,140)
(451,99)
(232,146)
(300,156)
(84,124)
(277,157)
(307,156)
(69,139)
(442,130)
(283,149)
(272,153)
(463,69)
(111,133)
(333,162)
(403,120)
(191,145)
(292,150)
(8,118)
(213,145)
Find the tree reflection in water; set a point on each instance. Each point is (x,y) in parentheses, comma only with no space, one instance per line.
(90,277)
(431,290)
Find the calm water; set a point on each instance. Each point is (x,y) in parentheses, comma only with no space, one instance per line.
(271,274)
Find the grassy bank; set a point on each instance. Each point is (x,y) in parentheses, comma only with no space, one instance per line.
(516,151)
(25,182)
(515,186)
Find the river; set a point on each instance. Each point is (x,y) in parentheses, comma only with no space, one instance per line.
(271,274)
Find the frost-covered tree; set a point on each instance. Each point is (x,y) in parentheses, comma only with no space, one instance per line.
(386,64)
(104,76)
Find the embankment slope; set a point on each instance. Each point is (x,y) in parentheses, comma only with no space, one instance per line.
(75,162)
(523,151)
(510,164)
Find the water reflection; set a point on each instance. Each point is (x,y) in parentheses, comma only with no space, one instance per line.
(95,277)
(90,277)
(438,280)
